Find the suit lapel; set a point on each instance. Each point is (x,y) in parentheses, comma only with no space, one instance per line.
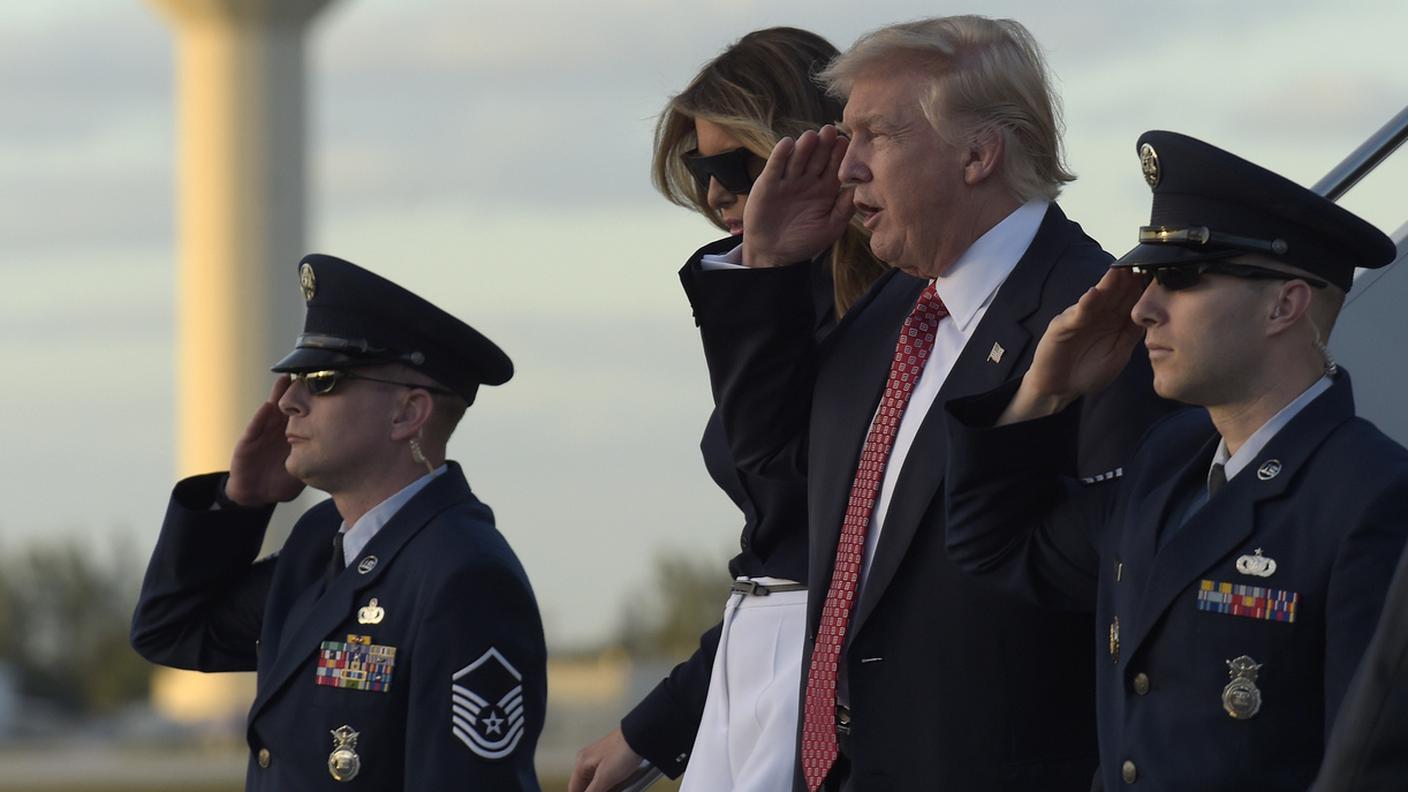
(314,617)
(979,367)
(1225,521)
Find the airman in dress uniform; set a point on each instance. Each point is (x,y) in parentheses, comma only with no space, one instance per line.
(1237,564)
(397,641)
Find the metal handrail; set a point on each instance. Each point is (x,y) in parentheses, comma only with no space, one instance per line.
(1365,158)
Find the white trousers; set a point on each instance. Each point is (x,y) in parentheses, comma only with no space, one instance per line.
(747,740)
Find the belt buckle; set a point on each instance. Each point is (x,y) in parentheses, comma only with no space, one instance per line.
(750,588)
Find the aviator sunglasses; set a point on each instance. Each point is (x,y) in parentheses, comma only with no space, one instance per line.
(736,170)
(321,383)
(1185,276)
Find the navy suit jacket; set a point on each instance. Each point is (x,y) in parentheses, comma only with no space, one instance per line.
(662,727)
(1325,500)
(952,684)
(465,693)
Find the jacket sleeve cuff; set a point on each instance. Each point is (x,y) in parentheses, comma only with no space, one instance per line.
(661,730)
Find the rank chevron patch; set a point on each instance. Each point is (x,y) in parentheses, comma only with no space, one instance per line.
(486,706)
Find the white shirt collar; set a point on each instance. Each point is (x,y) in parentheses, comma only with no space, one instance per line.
(975,277)
(1233,464)
(355,539)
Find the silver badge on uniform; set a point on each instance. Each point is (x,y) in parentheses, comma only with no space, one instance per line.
(1268,469)
(1149,164)
(486,706)
(371,613)
(1241,698)
(307,281)
(343,763)
(1256,564)
(366,565)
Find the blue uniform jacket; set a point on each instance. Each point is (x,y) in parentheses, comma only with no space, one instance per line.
(1325,501)
(460,702)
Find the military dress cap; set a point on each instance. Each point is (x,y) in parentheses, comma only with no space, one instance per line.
(358,318)
(1210,204)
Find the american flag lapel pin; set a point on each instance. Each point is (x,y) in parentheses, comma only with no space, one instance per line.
(995,356)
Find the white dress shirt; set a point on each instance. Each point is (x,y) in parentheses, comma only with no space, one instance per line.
(967,289)
(355,539)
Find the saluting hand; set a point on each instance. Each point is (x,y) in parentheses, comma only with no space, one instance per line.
(1085,347)
(257,473)
(797,207)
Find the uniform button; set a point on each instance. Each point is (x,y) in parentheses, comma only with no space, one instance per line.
(1141,684)
(1129,772)
(263,757)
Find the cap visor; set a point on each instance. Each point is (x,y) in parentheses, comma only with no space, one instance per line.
(311,359)
(1170,256)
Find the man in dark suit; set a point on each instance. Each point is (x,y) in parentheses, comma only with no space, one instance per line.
(1368,747)
(1237,567)
(915,676)
(397,641)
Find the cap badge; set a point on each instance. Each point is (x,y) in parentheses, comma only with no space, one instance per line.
(1241,698)
(1257,564)
(343,762)
(1269,469)
(373,613)
(307,281)
(1149,164)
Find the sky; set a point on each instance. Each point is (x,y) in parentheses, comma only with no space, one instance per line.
(493,156)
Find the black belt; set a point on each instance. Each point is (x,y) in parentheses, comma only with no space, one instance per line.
(753,588)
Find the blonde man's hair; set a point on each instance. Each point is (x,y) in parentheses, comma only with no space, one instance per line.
(761,89)
(987,76)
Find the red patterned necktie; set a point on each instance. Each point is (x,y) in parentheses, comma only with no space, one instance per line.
(916,341)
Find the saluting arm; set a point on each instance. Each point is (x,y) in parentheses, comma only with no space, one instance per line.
(202,601)
(1013,516)
(758,323)
(1015,511)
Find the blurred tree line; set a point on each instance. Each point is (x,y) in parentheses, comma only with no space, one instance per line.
(65,609)
(685,598)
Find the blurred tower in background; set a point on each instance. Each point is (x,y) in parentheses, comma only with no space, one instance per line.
(241,112)
(241,115)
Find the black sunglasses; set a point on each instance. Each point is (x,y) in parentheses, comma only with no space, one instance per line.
(321,383)
(736,170)
(1176,277)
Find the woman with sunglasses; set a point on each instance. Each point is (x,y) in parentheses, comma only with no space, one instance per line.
(730,711)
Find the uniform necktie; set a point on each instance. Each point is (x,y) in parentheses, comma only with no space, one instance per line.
(916,341)
(336,562)
(1217,478)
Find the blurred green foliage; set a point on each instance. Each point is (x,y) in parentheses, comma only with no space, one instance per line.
(65,609)
(686,598)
